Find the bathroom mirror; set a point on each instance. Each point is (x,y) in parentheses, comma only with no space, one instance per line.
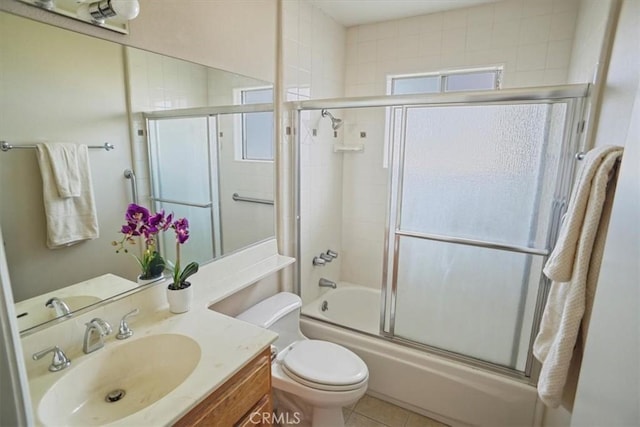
(61,86)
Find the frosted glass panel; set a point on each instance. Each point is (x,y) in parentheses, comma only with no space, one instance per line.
(199,247)
(478,171)
(177,143)
(441,286)
(182,173)
(471,81)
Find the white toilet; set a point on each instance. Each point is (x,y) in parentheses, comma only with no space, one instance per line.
(312,379)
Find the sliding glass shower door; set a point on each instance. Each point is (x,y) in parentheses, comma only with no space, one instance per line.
(183,160)
(477,192)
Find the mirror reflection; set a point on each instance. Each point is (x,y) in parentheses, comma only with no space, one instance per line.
(59,86)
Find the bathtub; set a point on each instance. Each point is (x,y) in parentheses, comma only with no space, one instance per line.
(449,391)
(355,307)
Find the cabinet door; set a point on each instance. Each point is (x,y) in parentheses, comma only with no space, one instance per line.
(236,398)
(261,415)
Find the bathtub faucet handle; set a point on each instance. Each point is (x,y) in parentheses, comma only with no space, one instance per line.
(332,254)
(318,262)
(326,257)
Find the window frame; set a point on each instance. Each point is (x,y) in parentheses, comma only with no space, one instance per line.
(443,75)
(239,124)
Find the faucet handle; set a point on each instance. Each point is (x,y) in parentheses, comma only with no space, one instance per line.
(125,331)
(332,254)
(326,257)
(317,261)
(60,360)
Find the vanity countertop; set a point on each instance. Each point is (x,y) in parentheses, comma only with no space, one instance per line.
(226,345)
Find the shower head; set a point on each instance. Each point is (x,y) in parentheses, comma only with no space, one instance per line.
(335,123)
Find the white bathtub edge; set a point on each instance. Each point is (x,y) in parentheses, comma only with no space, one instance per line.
(456,394)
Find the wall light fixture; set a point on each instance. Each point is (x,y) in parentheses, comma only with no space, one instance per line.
(99,11)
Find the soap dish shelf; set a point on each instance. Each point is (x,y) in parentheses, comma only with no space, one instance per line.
(343,148)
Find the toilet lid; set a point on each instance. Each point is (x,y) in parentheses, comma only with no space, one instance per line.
(323,362)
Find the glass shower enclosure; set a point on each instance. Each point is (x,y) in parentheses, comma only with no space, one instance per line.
(478,183)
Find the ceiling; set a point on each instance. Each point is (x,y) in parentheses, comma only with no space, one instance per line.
(356,12)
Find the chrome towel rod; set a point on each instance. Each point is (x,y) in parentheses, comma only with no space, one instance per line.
(5,146)
(236,197)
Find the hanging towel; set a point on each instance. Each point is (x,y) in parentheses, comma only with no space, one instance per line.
(65,169)
(68,195)
(573,267)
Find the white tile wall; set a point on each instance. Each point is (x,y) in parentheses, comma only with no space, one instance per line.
(314,59)
(523,36)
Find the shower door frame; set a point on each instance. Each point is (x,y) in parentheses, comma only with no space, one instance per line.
(573,95)
(213,147)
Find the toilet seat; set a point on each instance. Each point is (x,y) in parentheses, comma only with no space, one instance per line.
(324,366)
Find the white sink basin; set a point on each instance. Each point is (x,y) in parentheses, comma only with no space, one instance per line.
(146,369)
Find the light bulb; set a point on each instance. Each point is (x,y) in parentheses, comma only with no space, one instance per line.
(83,12)
(126,9)
(99,11)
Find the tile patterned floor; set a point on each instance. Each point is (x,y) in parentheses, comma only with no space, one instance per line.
(372,412)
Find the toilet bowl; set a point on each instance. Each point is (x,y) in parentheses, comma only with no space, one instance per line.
(312,379)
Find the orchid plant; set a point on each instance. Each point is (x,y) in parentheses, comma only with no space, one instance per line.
(181,228)
(140,223)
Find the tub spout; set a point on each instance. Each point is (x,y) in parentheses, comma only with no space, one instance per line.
(326,283)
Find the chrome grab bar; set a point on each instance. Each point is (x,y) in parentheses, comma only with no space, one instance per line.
(128,173)
(179,202)
(5,146)
(238,198)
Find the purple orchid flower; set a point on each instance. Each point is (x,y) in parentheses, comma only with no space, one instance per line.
(136,213)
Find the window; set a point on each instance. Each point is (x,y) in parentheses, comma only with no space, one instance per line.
(446,81)
(485,79)
(257,128)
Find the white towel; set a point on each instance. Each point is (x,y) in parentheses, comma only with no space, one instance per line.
(573,266)
(70,219)
(65,168)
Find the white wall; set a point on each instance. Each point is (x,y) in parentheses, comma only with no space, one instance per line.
(590,29)
(314,68)
(609,385)
(50,95)
(531,39)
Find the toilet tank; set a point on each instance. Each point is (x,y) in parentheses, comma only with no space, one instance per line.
(280,314)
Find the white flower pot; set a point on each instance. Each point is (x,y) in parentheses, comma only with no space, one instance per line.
(147,281)
(180,300)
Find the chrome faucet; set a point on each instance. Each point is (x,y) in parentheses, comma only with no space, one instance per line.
(326,283)
(94,335)
(59,362)
(61,307)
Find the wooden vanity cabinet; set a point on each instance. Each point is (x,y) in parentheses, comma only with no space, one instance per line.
(244,400)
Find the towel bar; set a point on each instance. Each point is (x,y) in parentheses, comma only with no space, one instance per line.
(5,146)
(238,198)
